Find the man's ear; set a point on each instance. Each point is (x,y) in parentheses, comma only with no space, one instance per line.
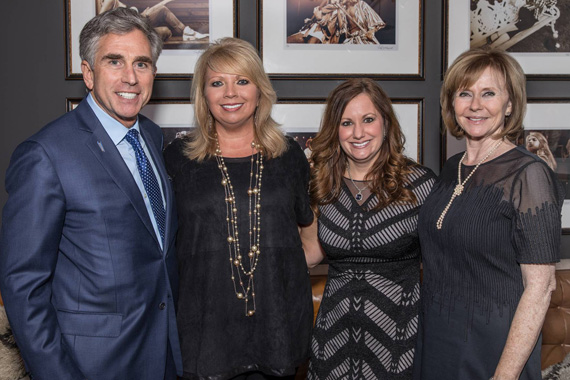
(87,74)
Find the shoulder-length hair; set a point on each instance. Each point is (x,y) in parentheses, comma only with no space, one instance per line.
(388,173)
(235,56)
(467,69)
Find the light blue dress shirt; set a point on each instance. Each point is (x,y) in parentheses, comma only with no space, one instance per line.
(117,133)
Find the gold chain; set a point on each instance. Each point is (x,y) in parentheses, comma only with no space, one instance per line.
(461,185)
(240,275)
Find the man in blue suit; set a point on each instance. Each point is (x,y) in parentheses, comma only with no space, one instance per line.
(87,264)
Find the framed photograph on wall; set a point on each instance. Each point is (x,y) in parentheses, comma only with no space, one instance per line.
(302,118)
(536,33)
(186,27)
(547,134)
(298,118)
(342,38)
(174,116)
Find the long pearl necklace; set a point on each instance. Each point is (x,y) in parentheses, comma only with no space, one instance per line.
(242,278)
(461,185)
(358,195)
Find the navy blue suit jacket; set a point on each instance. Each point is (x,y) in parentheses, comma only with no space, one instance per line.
(87,289)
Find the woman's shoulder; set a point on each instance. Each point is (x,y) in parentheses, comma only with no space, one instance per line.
(418,171)
(421,180)
(294,150)
(175,155)
(519,160)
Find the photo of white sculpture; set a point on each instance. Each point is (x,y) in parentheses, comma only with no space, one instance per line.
(526,26)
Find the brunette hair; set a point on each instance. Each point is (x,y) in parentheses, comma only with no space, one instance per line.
(388,173)
(235,56)
(467,69)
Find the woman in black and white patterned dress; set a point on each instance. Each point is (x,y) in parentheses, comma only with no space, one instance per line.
(367,196)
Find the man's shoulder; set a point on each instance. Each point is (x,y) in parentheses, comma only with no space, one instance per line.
(150,129)
(148,125)
(63,127)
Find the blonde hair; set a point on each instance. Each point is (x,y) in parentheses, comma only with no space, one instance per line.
(235,56)
(388,173)
(467,69)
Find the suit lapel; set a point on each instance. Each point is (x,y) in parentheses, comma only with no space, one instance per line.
(101,145)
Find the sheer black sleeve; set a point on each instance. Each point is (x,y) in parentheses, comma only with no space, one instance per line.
(537,197)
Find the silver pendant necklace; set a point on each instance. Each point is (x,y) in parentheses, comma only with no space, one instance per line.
(357,196)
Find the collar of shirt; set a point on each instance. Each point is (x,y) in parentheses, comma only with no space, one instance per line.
(114,129)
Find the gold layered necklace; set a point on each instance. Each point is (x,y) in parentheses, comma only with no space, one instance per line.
(242,275)
(461,185)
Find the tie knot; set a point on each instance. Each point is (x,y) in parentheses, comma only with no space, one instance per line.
(132,137)
(133,133)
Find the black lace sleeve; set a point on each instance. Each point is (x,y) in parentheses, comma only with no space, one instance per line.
(537,197)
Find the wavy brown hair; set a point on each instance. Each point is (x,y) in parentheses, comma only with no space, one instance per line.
(390,170)
(234,56)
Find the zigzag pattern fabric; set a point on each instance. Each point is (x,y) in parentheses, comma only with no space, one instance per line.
(368,320)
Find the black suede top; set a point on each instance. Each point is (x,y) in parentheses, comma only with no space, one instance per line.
(218,341)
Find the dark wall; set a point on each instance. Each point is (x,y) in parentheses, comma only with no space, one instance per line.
(33,88)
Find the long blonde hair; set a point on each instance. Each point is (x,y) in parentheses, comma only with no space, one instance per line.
(235,56)
(388,173)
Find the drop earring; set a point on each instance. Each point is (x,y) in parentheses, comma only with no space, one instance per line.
(210,121)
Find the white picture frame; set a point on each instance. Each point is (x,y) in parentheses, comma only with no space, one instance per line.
(282,60)
(295,116)
(172,64)
(305,116)
(457,40)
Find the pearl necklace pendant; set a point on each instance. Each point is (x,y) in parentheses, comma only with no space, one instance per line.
(458,189)
(461,184)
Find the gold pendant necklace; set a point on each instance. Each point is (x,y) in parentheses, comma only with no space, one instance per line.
(242,278)
(461,185)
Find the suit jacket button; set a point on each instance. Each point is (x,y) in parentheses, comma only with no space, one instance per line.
(162,306)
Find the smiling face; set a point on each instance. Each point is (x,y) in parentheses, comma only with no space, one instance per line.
(480,109)
(232,99)
(361,132)
(121,81)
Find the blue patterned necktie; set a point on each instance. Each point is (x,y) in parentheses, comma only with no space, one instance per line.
(149,181)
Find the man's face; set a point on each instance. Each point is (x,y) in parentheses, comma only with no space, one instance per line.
(121,81)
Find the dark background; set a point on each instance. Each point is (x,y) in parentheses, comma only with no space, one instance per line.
(33,88)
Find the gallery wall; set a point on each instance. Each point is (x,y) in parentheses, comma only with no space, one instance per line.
(34,89)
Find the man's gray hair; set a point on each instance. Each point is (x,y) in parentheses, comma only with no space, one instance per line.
(116,21)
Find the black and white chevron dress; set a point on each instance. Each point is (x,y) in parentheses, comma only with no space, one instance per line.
(366,326)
